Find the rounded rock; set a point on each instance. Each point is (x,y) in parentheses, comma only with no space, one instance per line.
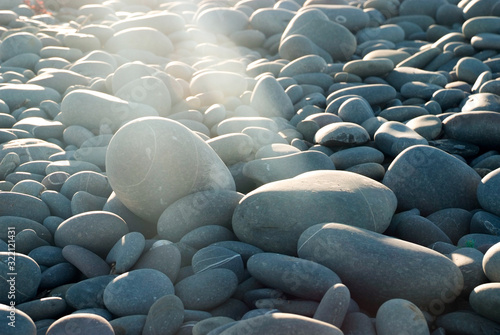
(171,162)
(96,231)
(310,198)
(136,291)
(485,300)
(398,316)
(438,180)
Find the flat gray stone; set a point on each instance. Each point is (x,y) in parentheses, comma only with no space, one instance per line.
(310,198)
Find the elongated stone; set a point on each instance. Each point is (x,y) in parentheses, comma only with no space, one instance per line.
(415,273)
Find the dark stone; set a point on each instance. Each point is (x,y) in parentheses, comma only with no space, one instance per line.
(57,275)
(476,127)
(334,305)
(86,261)
(429,179)
(15,204)
(22,278)
(454,222)
(126,252)
(47,255)
(467,322)
(414,273)
(130,324)
(397,316)
(207,289)
(163,257)
(295,276)
(165,316)
(204,236)
(21,324)
(46,308)
(213,257)
(419,230)
(136,291)
(96,231)
(87,323)
(281,324)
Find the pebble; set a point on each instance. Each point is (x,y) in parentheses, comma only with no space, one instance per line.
(215,257)
(207,289)
(484,223)
(26,279)
(133,324)
(270,100)
(88,293)
(491,263)
(101,231)
(487,192)
(23,323)
(399,315)
(288,274)
(454,222)
(156,322)
(334,305)
(267,170)
(256,82)
(484,300)
(469,261)
(328,244)
(92,104)
(394,137)
(280,324)
(340,50)
(136,291)
(150,192)
(86,322)
(45,308)
(428,166)
(325,192)
(86,261)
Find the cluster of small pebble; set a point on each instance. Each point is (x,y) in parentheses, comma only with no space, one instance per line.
(250,167)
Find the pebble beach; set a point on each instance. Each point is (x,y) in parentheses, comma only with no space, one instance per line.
(251,167)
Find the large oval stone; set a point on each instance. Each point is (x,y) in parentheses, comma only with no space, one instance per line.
(273,216)
(20,275)
(96,231)
(476,127)
(153,162)
(15,204)
(136,291)
(412,272)
(430,179)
